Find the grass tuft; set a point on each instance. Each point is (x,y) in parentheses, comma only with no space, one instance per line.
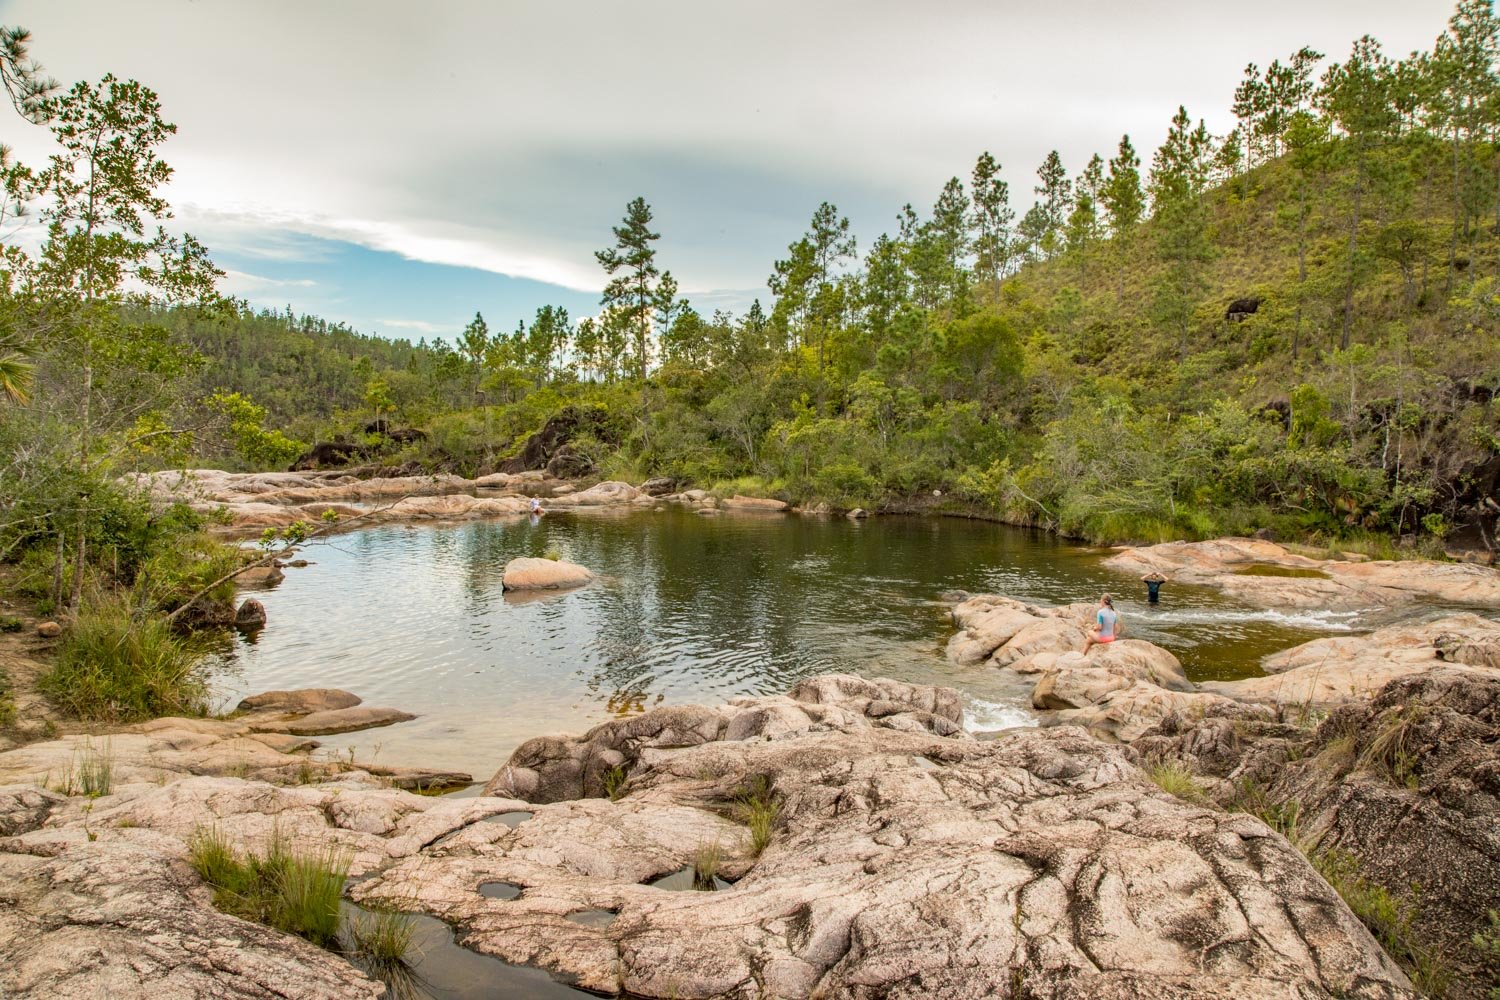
(614,783)
(1392,751)
(758,806)
(1175,779)
(295,893)
(1390,918)
(382,937)
(706,861)
(116,666)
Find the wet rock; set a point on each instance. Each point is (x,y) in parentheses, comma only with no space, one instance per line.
(49,630)
(300,701)
(251,614)
(129,919)
(544,574)
(1266,574)
(1335,670)
(259,577)
(858,514)
(659,487)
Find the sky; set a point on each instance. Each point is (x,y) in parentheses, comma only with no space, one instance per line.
(399,166)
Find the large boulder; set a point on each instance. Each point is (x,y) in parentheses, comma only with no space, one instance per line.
(543,574)
(1397,795)
(738,502)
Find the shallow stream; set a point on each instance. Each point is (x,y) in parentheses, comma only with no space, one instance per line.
(688,608)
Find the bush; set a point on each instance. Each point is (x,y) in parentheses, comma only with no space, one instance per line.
(116,666)
(298,894)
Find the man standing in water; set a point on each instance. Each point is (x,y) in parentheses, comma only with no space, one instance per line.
(1106,623)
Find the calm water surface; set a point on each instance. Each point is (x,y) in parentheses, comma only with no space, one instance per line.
(687,609)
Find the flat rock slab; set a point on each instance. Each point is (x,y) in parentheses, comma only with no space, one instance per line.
(544,574)
(339,720)
(301,700)
(1268,575)
(738,502)
(1340,669)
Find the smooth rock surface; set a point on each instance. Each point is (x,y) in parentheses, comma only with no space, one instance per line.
(129,919)
(544,574)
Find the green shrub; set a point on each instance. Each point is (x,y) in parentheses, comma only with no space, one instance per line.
(175,574)
(116,666)
(10,623)
(295,893)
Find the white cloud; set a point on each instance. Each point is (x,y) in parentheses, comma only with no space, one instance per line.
(420,325)
(242,283)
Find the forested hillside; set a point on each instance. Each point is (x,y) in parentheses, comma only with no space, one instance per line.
(1292,326)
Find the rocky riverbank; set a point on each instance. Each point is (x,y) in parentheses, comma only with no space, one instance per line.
(903,859)
(255,500)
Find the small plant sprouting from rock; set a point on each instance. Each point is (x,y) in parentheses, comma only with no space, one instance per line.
(1392,751)
(552,554)
(1486,941)
(758,806)
(296,893)
(706,865)
(614,782)
(1390,918)
(91,771)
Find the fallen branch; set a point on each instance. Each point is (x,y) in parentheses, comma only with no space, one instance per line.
(271,557)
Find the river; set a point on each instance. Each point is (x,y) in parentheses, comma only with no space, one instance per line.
(687,608)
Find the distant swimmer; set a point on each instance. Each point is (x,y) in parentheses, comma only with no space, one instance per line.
(1106,624)
(1153,581)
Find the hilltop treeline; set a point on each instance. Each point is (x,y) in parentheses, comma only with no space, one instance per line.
(1291,326)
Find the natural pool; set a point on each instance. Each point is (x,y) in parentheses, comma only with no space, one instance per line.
(688,609)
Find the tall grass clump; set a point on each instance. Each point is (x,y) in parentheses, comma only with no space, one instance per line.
(706,861)
(382,938)
(114,665)
(295,893)
(758,806)
(1392,751)
(1174,779)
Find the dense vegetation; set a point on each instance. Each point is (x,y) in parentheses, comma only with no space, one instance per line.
(1292,326)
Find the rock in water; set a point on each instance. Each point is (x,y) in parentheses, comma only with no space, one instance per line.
(543,574)
(251,614)
(302,701)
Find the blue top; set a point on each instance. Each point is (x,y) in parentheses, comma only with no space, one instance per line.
(1107,619)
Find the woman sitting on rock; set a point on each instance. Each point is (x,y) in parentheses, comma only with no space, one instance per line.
(1106,625)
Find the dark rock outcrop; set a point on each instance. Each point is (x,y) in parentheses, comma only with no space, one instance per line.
(558,431)
(1241,309)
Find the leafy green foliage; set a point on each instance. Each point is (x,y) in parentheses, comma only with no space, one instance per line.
(115,664)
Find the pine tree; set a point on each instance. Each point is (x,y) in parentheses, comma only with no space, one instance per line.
(1055,194)
(990,221)
(631,293)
